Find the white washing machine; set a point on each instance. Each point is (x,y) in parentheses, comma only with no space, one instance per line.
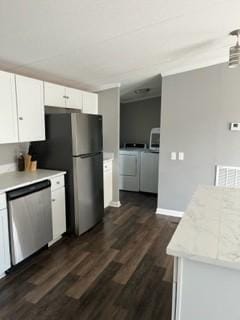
(129,163)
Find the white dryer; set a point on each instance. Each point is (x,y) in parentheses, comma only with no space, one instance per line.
(129,163)
(149,171)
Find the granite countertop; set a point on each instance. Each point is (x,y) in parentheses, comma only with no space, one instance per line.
(209,231)
(16,179)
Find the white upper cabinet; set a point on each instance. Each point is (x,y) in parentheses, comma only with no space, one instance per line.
(74,98)
(8,108)
(90,102)
(63,97)
(54,95)
(30,109)
(22,106)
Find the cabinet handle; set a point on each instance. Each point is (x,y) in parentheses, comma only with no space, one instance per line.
(20,118)
(53,200)
(65,97)
(58,182)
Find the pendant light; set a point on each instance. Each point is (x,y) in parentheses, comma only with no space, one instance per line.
(234,52)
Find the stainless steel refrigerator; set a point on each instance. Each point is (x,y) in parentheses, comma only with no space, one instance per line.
(74,144)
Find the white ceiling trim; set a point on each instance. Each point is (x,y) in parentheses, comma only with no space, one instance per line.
(194,67)
(140,99)
(107,86)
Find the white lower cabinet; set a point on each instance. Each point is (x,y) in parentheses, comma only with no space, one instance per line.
(4,238)
(107,183)
(58,208)
(58,212)
(202,291)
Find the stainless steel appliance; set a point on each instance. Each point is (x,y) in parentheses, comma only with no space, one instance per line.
(30,219)
(74,144)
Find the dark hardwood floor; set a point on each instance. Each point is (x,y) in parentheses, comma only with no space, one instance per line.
(118,270)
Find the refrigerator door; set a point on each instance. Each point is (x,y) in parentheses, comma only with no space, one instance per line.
(88,190)
(86,133)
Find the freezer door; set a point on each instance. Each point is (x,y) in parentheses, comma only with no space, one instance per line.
(86,133)
(88,191)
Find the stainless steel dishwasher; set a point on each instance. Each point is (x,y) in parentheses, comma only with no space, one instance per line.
(30,219)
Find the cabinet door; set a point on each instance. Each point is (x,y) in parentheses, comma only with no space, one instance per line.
(74,98)
(90,102)
(58,212)
(107,168)
(8,109)
(107,188)
(54,95)
(30,109)
(4,242)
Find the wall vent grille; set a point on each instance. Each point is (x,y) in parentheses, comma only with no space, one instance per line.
(228,177)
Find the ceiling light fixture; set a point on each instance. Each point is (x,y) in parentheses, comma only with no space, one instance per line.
(234,52)
(142,91)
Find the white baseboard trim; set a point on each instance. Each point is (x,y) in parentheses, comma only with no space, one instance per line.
(54,241)
(173,213)
(9,167)
(115,204)
(2,275)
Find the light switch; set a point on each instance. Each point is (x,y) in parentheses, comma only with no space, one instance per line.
(173,156)
(180,155)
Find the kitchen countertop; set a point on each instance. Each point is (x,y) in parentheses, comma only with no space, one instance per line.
(209,231)
(12,180)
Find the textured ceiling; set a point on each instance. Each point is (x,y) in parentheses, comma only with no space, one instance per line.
(93,44)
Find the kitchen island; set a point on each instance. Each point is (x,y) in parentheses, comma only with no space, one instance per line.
(206,250)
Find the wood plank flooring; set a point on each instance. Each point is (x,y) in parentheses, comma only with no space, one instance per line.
(117,270)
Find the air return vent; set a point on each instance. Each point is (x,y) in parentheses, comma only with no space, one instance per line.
(228,177)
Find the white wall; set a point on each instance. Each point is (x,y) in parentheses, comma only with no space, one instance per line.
(109,107)
(197,107)
(138,118)
(9,152)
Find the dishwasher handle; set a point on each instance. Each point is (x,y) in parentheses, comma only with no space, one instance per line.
(21,192)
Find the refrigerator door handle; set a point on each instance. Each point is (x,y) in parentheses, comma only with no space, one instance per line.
(88,155)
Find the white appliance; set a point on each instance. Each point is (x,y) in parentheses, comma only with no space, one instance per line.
(129,163)
(149,172)
(154,140)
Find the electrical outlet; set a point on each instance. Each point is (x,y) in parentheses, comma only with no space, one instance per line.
(180,155)
(173,156)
